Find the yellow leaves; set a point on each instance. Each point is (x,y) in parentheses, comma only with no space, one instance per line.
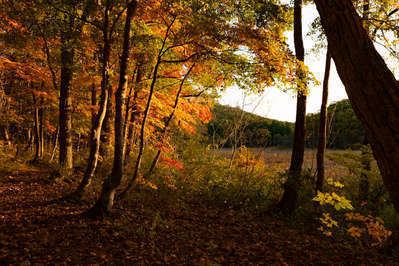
(328,221)
(333,199)
(327,224)
(333,183)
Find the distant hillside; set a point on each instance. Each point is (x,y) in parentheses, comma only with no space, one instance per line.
(345,129)
(231,125)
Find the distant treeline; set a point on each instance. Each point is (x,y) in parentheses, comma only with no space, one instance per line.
(344,130)
(233,126)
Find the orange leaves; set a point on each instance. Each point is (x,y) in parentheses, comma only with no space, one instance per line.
(28,71)
(9,25)
(171,162)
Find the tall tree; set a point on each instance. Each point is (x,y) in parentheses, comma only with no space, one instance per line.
(98,119)
(370,85)
(290,197)
(106,201)
(321,147)
(69,35)
(147,111)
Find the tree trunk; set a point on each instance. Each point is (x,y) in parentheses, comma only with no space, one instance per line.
(65,115)
(93,104)
(69,34)
(370,85)
(106,201)
(321,147)
(128,114)
(364,184)
(55,144)
(78,142)
(7,136)
(289,200)
(167,123)
(36,128)
(95,134)
(41,128)
(145,116)
(133,116)
(107,126)
(30,140)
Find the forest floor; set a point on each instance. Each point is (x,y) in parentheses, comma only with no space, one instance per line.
(147,229)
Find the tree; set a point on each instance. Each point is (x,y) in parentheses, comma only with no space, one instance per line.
(321,147)
(107,29)
(370,85)
(289,199)
(106,200)
(69,34)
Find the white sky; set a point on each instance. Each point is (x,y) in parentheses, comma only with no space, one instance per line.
(274,103)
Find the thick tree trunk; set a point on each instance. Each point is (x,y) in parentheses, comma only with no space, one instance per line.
(106,201)
(321,147)
(370,85)
(71,30)
(289,200)
(364,184)
(65,115)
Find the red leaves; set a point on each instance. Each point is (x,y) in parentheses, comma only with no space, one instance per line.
(171,162)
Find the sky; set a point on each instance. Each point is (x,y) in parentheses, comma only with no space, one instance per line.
(276,104)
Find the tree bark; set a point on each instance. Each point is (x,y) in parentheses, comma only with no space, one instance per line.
(133,115)
(167,123)
(321,147)
(370,85)
(7,136)
(93,104)
(364,184)
(97,119)
(68,44)
(128,109)
(55,144)
(106,201)
(36,128)
(107,126)
(288,202)
(145,116)
(41,128)
(65,112)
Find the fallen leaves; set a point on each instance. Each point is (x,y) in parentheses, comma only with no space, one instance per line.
(151,228)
